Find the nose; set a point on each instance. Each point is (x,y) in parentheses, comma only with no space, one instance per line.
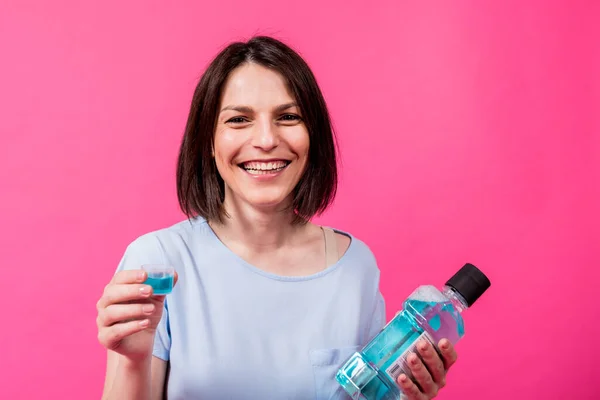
(265,135)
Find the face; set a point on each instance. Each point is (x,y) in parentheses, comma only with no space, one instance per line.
(261,143)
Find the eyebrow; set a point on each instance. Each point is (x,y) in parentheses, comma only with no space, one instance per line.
(248,110)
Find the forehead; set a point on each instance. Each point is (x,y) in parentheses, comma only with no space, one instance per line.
(256,86)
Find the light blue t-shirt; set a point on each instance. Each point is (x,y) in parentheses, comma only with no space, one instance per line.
(232,331)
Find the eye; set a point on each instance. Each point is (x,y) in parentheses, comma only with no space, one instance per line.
(236,120)
(290,117)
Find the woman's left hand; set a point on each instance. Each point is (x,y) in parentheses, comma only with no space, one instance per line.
(430,376)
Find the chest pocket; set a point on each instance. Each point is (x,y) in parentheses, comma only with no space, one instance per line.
(325,364)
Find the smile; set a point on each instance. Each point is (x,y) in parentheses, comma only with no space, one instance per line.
(264,167)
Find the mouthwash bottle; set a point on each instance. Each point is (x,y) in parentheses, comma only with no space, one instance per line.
(427,313)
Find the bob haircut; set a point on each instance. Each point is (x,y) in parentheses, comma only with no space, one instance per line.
(200,188)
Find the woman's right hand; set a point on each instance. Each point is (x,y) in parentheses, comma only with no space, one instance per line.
(128,315)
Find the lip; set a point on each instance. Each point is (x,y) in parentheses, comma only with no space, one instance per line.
(264,176)
(264,160)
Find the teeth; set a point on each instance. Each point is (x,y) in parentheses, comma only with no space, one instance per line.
(262,172)
(264,166)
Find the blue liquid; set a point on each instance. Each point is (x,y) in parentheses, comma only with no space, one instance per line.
(160,285)
(371,373)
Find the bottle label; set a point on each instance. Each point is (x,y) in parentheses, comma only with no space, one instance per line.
(400,365)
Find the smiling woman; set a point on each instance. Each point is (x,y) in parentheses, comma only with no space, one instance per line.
(261,151)
(267,305)
(265,93)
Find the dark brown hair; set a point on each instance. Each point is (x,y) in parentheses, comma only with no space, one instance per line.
(200,188)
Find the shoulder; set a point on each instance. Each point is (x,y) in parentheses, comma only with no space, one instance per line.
(353,250)
(164,246)
(355,245)
(165,240)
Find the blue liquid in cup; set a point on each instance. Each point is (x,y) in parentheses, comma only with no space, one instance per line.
(161,282)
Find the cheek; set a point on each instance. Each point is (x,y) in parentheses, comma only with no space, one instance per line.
(225,147)
(300,144)
(223,151)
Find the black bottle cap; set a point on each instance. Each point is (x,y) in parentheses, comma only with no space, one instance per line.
(469,282)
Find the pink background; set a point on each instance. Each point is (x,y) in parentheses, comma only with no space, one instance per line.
(478,121)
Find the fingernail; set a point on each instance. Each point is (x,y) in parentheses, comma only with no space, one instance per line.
(144,323)
(445,344)
(145,290)
(148,308)
(413,359)
(141,276)
(403,378)
(423,346)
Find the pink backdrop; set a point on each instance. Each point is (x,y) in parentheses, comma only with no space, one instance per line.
(469,133)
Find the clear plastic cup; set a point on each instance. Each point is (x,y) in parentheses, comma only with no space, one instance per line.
(160,277)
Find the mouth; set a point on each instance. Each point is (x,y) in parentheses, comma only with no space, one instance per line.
(266,167)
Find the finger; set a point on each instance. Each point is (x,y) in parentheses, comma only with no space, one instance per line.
(433,362)
(111,337)
(422,376)
(409,389)
(116,313)
(449,355)
(175,278)
(114,294)
(129,276)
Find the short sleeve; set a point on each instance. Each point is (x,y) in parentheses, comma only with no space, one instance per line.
(147,250)
(378,320)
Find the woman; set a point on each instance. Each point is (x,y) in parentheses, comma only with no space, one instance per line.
(268,305)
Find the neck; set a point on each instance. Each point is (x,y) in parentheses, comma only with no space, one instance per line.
(260,230)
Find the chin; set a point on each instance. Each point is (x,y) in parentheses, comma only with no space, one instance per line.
(263,199)
(266,203)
